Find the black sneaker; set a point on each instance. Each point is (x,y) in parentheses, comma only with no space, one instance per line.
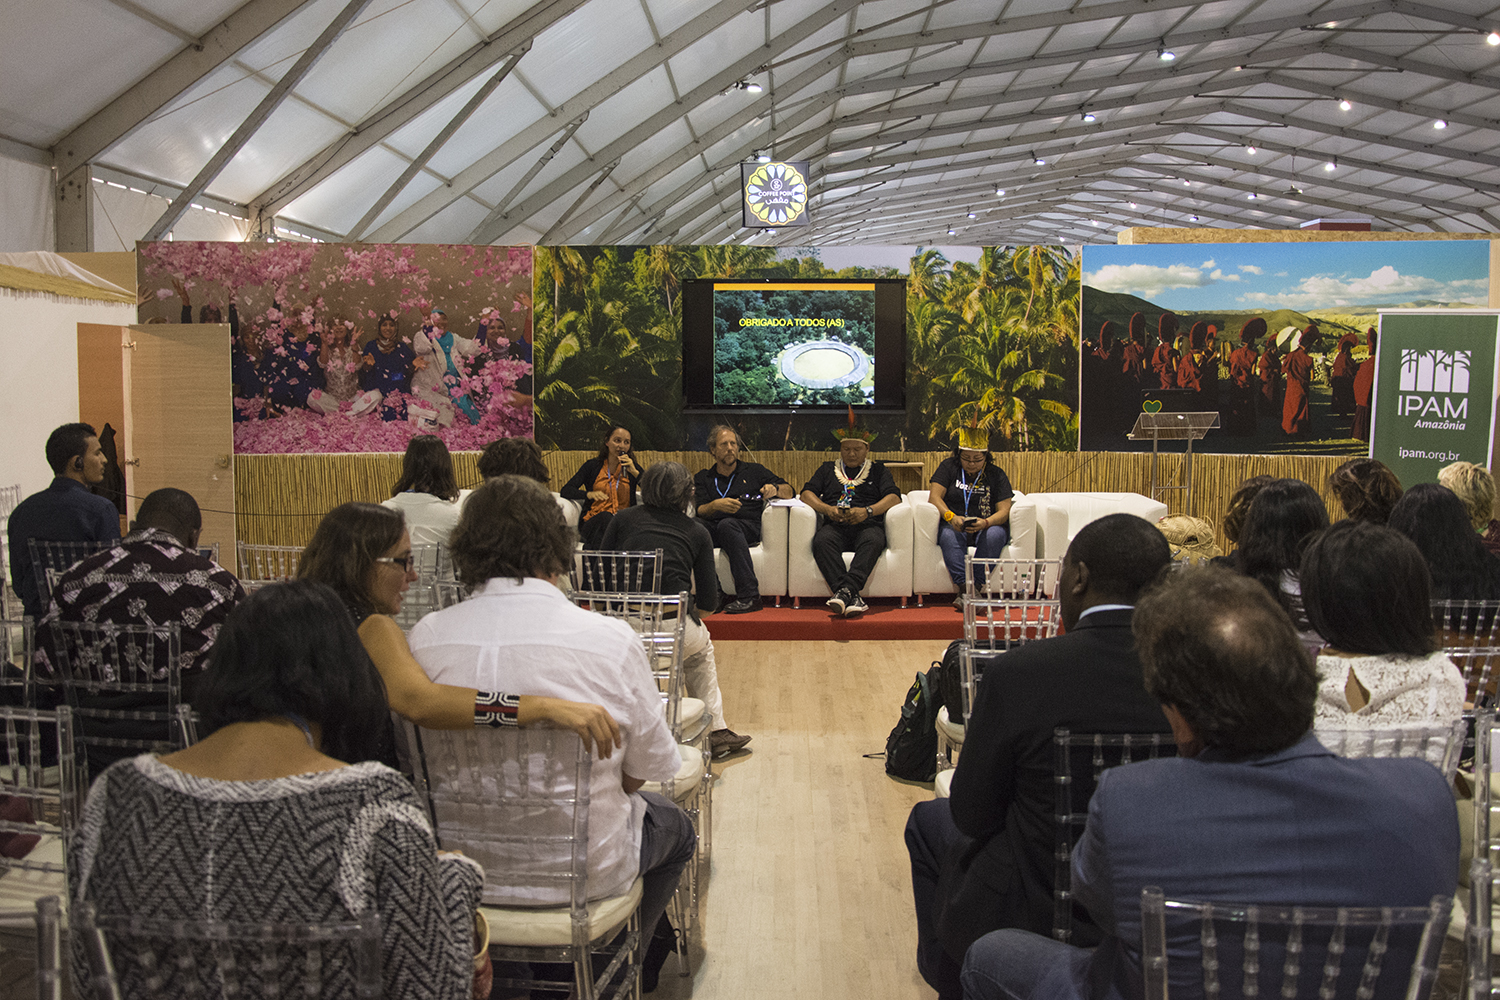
(723,742)
(838,600)
(855,605)
(743,606)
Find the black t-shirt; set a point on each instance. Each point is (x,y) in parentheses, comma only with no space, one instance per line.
(975,496)
(743,485)
(827,488)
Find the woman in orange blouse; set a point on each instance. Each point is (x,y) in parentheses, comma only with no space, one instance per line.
(605,484)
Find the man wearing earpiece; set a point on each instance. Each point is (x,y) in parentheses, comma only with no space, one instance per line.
(64,512)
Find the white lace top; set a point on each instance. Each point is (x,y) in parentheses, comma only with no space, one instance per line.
(1404,690)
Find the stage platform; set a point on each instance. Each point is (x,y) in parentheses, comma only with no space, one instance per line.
(886,619)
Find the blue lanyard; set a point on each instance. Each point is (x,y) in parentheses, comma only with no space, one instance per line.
(968,488)
(727,486)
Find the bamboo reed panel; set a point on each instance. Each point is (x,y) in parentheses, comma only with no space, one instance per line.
(280,498)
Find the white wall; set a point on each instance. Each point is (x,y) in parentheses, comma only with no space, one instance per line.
(122,216)
(25,207)
(39,376)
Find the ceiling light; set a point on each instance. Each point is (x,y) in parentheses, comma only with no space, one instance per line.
(1250,150)
(1192,218)
(1088,116)
(1439,124)
(1000,192)
(1345,105)
(1329,24)
(1493,38)
(1331,165)
(750,86)
(1132,204)
(973,216)
(1252,196)
(1165,54)
(1186,183)
(950,232)
(763,158)
(1038,160)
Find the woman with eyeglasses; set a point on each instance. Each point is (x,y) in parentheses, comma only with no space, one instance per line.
(363,551)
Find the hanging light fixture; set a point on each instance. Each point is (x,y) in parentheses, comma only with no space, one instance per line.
(1344,105)
(1165,54)
(1088,116)
(1493,38)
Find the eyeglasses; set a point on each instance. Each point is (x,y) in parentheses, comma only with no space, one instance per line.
(407,562)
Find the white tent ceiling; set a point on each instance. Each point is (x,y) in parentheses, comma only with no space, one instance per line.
(621,121)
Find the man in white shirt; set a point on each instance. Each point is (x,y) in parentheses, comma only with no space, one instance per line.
(510,545)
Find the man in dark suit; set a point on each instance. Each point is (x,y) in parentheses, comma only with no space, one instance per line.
(1253,810)
(983,859)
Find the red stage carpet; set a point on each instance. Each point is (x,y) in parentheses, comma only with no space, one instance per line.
(886,619)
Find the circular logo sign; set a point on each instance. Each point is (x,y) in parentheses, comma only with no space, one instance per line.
(776,194)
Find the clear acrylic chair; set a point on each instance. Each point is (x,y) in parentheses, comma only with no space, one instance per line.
(136,956)
(1470,635)
(1010,600)
(45,918)
(1078,761)
(47,802)
(1248,949)
(1439,745)
(952,720)
(263,564)
(17,649)
(10,496)
(616,572)
(516,801)
(446,593)
(124,684)
(421,598)
(50,560)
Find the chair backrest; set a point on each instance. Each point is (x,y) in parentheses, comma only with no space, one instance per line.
(972,663)
(514,800)
(1017,579)
(1483,882)
(1470,634)
(446,593)
(1000,623)
(136,956)
(1439,745)
(50,560)
(53,807)
(123,682)
(1078,761)
(1346,951)
(660,620)
(17,648)
(267,563)
(432,565)
(617,572)
(46,917)
(1485,802)
(10,497)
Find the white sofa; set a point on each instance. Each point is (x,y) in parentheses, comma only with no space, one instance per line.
(928,574)
(890,578)
(768,557)
(1059,516)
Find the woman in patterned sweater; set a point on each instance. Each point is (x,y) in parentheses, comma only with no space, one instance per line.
(264,821)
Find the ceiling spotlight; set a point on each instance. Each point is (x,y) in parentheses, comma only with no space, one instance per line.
(1345,105)
(1038,160)
(1439,124)
(1493,38)
(1252,196)
(750,86)
(763,158)
(973,216)
(1192,218)
(1331,165)
(1088,116)
(1132,204)
(1186,183)
(1165,54)
(1250,150)
(1000,192)
(950,232)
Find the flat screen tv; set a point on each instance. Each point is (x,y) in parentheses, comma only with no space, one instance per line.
(784,344)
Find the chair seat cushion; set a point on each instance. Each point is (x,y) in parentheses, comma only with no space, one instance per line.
(692,710)
(20,888)
(942,785)
(689,774)
(950,731)
(551,926)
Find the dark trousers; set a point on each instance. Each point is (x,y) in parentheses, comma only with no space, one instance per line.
(667,845)
(735,535)
(866,540)
(930,837)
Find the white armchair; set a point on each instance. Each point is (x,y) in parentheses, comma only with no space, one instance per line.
(928,574)
(768,556)
(890,578)
(1060,516)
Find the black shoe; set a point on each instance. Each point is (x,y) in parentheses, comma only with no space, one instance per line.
(663,943)
(958,602)
(854,605)
(742,606)
(838,600)
(723,742)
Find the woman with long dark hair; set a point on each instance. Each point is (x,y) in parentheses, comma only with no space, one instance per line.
(1283,515)
(278,814)
(1365,589)
(427,492)
(605,484)
(1435,519)
(1366,488)
(363,552)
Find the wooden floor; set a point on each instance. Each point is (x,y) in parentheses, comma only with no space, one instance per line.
(810,889)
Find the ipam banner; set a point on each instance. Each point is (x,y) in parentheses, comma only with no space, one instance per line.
(1434,399)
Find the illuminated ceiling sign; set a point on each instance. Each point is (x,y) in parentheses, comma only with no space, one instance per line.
(775,194)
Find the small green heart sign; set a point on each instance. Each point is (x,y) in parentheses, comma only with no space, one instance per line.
(1152,406)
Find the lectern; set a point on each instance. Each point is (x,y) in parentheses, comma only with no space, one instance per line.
(1159,427)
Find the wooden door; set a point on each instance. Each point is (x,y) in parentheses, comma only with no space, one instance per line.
(103,387)
(182,425)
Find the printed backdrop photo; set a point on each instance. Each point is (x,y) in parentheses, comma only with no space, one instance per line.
(358,347)
(1271,336)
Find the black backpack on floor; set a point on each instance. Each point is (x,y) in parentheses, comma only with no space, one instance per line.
(911,749)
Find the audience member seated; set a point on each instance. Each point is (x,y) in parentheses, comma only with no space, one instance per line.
(1437,521)
(1476,488)
(518,630)
(1283,515)
(279,815)
(1366,489)
(1234,518)
(1365,590)
(687,555)
(156,578)
(363,552)
(1253,810)
(604,485)
(513,457)
(427,492)
(850,497)
(730,497)
(64,512)
(983,859)
(973,497)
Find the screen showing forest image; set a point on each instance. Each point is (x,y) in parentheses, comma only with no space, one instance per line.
(794,344)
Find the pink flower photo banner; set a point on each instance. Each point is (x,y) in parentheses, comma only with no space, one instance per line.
(358,347)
